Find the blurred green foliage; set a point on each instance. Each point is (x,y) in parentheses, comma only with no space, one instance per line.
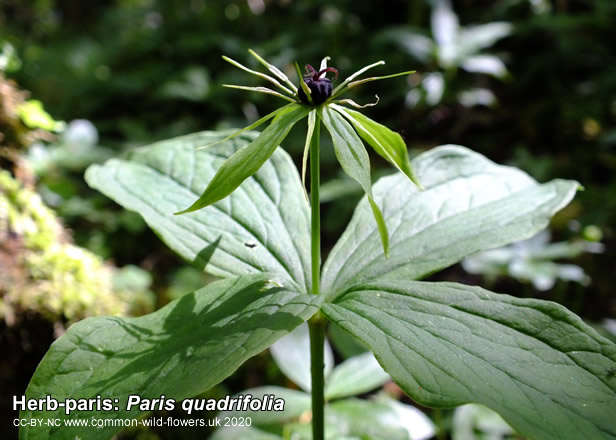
(124,73)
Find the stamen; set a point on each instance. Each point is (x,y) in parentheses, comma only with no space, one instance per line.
(311,73)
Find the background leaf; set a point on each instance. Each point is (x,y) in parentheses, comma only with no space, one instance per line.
(357,375)
(377,420)
(295,404)
(534,362)
(264,226)
(470,204)
(474,38)
(179,351)
(292,355)
(488,64)
(472,421)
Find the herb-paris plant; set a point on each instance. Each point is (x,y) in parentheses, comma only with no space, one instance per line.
(445,344)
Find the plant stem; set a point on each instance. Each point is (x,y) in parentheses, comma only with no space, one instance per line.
(317,367)
(316,324)
(315,206)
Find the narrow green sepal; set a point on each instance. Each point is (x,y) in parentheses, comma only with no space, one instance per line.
(376,78)
(354,159)
(275,70)
(343,85)
(311,123)
(246,161)
(385,142)
(245,129)
(303,85)
(264,90)
(259,74)
(381,225)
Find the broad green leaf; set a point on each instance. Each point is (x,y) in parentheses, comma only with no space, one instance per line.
(469,204)
(387,144)
(357,375)
(263,226)
(534,362)
(179,351)
(247,160)
(354,160)
(292,355)
(296,403)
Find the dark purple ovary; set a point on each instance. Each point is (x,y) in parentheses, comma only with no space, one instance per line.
(321,90)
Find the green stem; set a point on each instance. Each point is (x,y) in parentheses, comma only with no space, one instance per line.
(315,232)
(316,325)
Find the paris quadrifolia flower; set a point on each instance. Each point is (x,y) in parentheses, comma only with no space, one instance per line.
(318,100)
